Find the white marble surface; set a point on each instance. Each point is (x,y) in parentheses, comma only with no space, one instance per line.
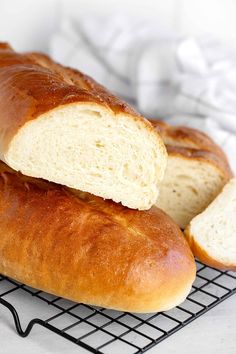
(212,333)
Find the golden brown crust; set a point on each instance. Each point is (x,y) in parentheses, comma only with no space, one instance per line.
(202,155)
(188,137)
(203,256)
(81,247)
(76,78)
(32,84)
(193,144)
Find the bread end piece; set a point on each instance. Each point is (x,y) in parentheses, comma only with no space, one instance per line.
(212,234)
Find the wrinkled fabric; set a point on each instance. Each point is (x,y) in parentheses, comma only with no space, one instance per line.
(184,80)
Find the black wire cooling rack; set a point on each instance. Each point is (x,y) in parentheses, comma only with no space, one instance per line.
(106,331)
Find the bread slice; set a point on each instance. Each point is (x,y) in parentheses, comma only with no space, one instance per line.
(81,247)
(197,170)
(60,125)
(212,234)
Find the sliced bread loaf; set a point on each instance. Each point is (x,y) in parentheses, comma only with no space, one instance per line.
(59,124)
(197,169)
(212,234)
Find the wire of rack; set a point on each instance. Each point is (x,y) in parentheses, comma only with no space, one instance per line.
(105,331)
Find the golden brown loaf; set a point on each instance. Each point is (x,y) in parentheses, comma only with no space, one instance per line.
(80,247)
(197,170)
(58,124)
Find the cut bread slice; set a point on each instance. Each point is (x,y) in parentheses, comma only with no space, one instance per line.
(60,125)
(197,170)
(212,234)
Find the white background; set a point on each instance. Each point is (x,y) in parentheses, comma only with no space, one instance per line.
(27,24)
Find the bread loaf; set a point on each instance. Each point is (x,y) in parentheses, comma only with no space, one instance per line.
(197,170)
(212,234)
(60,125)
(80,247)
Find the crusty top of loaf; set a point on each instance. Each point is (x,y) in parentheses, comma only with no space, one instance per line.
(193,144)
(32,84)
(92,89)
(57,82)
(185,136)
(81,247)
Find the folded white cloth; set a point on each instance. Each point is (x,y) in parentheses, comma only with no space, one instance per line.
(188,81)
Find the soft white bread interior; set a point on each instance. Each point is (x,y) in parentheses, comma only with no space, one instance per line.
(60,125)
(197,170)
(86,147)
(189,186)
(212,234)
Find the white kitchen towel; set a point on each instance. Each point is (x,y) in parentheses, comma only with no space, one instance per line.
(189,81)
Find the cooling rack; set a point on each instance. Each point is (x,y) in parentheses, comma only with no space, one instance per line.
(106,331)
